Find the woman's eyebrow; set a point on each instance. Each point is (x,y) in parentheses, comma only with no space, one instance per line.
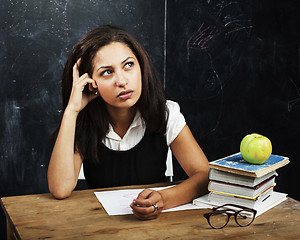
(105,67)
(127,59)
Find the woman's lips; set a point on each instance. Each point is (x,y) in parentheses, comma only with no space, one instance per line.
(125,95)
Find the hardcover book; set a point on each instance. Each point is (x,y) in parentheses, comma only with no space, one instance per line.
(220,199)
(236,164)
(222,176)
(268,203)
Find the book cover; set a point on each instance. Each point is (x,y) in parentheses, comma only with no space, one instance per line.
(236,164)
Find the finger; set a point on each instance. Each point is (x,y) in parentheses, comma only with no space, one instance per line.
(78,62)
(93,86)
(143,202)
(79,85)
(148,198)
(142,209)
(144,194)
(148,206)
(75,72)
(146,217)
(88,80)
(145,213)
(79,82)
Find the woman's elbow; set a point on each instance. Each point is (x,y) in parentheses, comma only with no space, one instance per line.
(59,193)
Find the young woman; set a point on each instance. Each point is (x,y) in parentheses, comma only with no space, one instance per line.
(118,123)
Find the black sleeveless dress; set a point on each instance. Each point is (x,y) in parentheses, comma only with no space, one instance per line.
(143,164)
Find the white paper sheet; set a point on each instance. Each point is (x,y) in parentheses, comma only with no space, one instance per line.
(117,202)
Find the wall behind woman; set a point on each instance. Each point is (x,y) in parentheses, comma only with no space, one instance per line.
(35,39)
(234,67)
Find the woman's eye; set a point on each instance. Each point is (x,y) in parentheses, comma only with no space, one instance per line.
(129,65)
(106,73)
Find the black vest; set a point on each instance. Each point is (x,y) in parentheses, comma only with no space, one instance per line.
(143,164)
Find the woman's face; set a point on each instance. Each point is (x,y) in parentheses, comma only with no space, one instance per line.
(118,75)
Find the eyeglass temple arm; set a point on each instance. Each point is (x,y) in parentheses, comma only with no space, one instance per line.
(234,205)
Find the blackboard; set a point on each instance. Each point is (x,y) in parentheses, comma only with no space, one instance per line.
(234,68)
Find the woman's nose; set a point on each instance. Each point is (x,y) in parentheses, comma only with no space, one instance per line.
(120,80)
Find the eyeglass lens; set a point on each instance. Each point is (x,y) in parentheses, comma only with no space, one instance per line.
(244,218)
(220,219)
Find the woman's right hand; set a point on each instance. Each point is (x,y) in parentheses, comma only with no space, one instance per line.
(78,99)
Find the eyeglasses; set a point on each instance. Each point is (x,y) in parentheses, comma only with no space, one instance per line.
(219,217)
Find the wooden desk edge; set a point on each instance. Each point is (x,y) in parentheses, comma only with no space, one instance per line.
(11,231)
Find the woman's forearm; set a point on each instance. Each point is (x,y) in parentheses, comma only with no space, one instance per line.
(186,191)
(62,168)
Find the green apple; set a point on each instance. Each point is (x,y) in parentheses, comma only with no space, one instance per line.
(255,148)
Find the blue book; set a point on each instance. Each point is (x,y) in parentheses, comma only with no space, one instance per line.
(236,164)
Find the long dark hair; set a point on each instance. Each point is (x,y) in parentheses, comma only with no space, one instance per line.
(92,121)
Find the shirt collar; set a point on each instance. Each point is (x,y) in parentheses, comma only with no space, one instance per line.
(137,122)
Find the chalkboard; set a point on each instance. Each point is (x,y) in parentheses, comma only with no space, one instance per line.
(234,68)
(35,40)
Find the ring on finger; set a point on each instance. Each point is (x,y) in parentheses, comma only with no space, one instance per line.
(155,207)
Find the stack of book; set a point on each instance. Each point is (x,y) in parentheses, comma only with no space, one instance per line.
(235,181)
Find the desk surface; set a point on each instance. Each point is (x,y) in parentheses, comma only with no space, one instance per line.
(82,217)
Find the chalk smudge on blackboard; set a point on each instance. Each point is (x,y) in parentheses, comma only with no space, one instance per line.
(233,22)
(12,124)
(199,40)
(10,149)
(62,6)
(294,101)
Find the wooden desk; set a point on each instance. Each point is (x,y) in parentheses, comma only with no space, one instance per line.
(82,217)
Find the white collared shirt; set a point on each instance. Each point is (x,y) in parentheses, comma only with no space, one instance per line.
(136,131)
(132,137)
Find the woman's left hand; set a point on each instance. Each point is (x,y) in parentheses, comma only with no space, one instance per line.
(148,205)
